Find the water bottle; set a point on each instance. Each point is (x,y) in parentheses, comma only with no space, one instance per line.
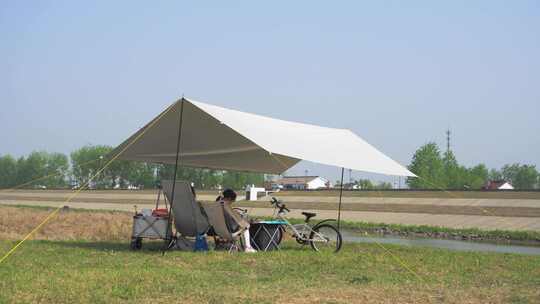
(200,243)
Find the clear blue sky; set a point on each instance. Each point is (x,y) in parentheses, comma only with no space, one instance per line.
(398,73)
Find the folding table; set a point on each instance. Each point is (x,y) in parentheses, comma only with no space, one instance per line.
(266,235)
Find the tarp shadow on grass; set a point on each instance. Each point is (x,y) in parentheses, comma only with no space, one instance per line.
(150,247)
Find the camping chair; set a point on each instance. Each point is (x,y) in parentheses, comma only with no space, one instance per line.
(215,213)
(188,218)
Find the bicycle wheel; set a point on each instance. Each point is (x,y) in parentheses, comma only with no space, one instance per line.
(325,238)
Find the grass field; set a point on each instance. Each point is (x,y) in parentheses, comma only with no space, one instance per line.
(106,272)
(83,256)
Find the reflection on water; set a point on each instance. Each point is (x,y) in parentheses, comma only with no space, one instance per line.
(355,237)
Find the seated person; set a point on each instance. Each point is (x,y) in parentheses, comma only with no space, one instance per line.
(228,197)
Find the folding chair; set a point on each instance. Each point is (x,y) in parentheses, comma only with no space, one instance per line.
(215,213)
(189,220)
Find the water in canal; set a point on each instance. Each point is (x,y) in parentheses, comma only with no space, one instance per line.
(355,237)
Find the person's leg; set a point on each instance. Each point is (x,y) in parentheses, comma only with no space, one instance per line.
(247,242)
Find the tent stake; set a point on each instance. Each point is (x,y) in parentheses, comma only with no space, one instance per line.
(178,141)
(340,196)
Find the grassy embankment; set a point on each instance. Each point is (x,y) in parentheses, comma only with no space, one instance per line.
(529,237)
(83,256)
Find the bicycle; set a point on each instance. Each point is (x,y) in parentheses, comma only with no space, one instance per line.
(323,236)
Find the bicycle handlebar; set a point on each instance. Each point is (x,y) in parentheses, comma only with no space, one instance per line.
(279,205)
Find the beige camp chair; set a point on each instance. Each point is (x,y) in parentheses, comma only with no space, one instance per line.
(188,218)
(216,217)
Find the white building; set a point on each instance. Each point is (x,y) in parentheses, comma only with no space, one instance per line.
(303,182)
(498,185)
(253,193)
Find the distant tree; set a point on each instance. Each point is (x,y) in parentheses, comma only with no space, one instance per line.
(454,175)
(118,173)
(384,186)
(510,172)
(365,184)
(238,180)
(477,176)
(47,169)
(23,173)
(445,172)
(143,174)
(8,171)
(520,176)
(210,179)
(86,162)
(495,175)
(527,177)
(57,169)
(428,165)
(214,178)
(32,167)
(164,172)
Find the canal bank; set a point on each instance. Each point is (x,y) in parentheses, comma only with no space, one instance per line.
(474,246)
(526,238)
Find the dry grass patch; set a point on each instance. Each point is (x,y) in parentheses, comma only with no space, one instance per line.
(16,223)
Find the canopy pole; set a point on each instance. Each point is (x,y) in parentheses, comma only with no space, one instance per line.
(340,196)
(178,142)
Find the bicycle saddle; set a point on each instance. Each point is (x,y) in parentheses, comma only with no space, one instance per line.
(309,215)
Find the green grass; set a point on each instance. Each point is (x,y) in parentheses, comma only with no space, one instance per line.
(106,272)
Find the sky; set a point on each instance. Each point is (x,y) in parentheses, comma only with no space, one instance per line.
(397,73)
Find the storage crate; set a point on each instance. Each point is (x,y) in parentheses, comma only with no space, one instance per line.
(148,226)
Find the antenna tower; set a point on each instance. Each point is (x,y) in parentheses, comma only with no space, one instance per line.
(448,140)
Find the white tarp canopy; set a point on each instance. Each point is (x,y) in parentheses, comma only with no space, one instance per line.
(219,138)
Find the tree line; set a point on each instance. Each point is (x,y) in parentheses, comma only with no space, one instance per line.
(438,170)
(364,184)
(57,170)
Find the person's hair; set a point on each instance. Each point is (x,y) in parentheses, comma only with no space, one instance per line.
(229,194)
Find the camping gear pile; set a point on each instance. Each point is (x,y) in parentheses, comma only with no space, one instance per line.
(192,221)
(150,224)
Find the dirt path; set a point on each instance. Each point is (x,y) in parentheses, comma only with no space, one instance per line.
(479,207)
(150,196)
